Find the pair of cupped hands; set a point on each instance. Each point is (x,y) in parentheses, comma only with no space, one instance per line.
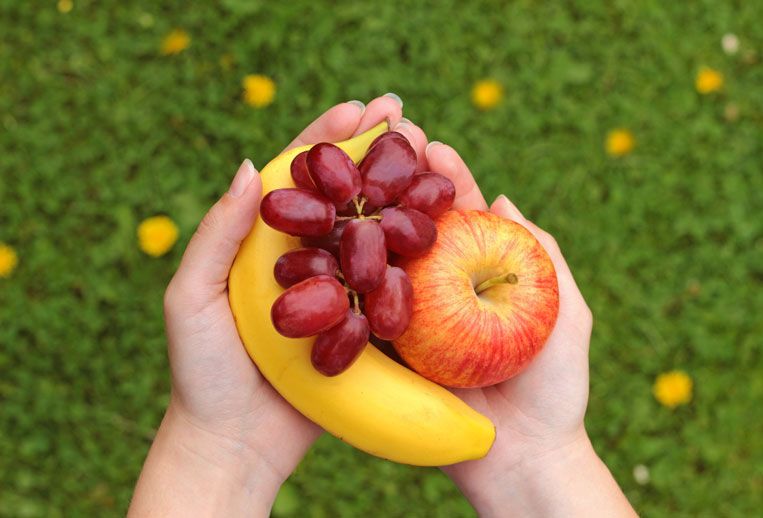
(226,414)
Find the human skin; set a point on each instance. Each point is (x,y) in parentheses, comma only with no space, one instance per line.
(228,440)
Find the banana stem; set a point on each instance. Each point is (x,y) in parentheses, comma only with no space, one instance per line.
(510,278)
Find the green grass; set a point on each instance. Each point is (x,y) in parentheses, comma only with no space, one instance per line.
(98,131)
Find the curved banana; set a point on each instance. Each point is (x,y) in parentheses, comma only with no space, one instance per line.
(376,405)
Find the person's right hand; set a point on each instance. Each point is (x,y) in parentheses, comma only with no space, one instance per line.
(541,440)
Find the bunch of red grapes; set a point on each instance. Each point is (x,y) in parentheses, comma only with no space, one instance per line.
(353,220)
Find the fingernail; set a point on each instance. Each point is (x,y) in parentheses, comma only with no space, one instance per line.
(395,97)
(359,104)
(243,178)
(431,145)
(401,123)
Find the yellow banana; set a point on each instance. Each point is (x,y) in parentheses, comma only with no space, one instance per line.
(376,405)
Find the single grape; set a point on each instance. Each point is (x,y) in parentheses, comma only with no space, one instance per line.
(338,348)
(302,263)
(298,212)
(430,193)
(386,136)
(333,172)
(408,232)
(389,307)
(310,307)
(329,242)
(387,170)
(362,254)
(299,172)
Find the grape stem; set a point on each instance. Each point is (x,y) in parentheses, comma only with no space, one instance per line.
(359,204)
(355,302)
(510,278)
(345,218)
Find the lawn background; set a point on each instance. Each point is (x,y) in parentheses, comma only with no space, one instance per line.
(99,131)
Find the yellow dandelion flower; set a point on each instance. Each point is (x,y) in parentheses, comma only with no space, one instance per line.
(64,6)
(673,388)
(620,142)
(8,260)
(486,94)
(708,81)
(157,235)
(259,90)
(175,42)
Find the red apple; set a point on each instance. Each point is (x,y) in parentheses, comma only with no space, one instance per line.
(485,299)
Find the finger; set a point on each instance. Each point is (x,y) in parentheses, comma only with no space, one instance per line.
(203,271)
(418,140)
(388,106)
(573,305)
(337,123)
(503,207)
(443,159)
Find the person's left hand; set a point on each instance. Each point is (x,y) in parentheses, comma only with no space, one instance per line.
(222,410)
(215,385)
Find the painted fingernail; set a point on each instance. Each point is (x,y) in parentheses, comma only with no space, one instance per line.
(359,104)
(243,178)
(395,97)
(431,145)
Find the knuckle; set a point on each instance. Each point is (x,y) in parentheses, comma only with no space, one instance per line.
(587,315)
(210,220)
(170,298)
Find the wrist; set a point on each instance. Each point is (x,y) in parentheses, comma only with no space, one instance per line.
(204,472)
(509,483)
(566,479)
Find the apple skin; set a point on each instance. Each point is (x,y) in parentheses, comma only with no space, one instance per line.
(458,338)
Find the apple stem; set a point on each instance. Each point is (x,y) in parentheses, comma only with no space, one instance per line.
(510,278)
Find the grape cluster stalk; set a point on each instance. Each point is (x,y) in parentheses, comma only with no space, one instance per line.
(353,220)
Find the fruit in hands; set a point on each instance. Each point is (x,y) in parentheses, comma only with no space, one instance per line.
(486,300)
(329,242)
(302,263)
(387,170)
(299,172)
(298,212)
(334,173)
(407,232)
(430,193)
(338,348)
(310,307)
(362,254)
(377,405)
(389,306)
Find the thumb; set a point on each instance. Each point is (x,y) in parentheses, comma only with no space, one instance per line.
(203,271)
